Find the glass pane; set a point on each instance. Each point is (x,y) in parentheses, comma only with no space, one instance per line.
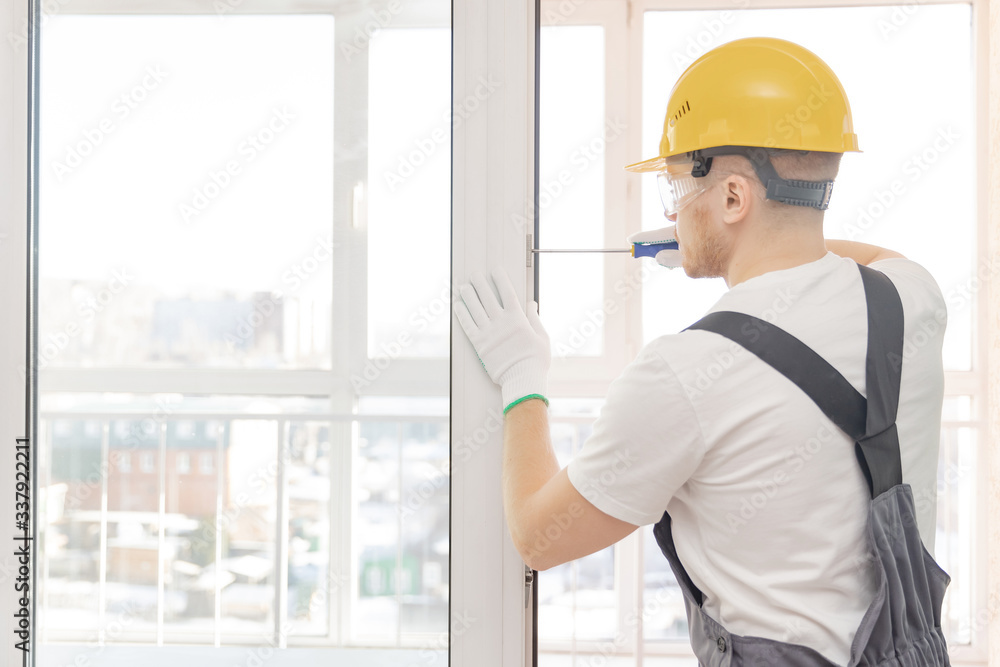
(664,617)
(308,465)
(956,522)
(243,568)
(409,175)
(68,578)
(577,601)
(211,216)
(219,484)
(574,138)
(883,195)
(181,159)
(957,408)
(191,532)
(402,500)
(131,525)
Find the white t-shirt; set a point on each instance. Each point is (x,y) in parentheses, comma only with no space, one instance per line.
(768,503)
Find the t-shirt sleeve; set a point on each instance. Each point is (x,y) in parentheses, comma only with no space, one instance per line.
(646,443)
(916,286)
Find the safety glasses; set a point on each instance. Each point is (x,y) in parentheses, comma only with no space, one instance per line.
(678,187)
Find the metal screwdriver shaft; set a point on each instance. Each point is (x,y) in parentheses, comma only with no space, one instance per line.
(582,250)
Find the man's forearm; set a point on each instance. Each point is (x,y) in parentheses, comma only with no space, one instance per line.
(528,463)
(862,253)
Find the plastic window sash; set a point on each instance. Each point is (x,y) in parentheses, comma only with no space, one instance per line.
(406,376)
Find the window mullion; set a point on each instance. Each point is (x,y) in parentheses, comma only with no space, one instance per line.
(350,308)
(161,532)
(282,450)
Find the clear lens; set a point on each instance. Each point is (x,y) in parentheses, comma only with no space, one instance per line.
(678,187)
(677,190)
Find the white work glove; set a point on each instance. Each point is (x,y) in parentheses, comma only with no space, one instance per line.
(668,258)
(511,344)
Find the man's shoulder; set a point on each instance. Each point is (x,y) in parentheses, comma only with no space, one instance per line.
(919,291)
(687,351)
(907,270)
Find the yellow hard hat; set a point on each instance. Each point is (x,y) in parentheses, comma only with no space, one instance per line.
(759,92)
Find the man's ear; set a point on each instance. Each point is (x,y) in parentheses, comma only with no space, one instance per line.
(737,196)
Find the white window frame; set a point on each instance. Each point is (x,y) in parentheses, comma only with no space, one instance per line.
(589,377)
(492,180)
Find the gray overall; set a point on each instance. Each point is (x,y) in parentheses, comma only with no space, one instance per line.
(902,627)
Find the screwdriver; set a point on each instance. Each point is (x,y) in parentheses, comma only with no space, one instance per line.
(638,248)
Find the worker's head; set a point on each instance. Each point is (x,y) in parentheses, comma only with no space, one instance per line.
(752,141)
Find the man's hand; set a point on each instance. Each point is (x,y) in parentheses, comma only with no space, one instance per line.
(862,253)
(668,258)
(512,345)
(550,522)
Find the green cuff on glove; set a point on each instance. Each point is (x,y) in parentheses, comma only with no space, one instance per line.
(525,398)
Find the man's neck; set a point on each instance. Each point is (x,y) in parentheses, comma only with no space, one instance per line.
(750,260)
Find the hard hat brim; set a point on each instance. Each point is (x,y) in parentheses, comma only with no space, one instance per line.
(652,164)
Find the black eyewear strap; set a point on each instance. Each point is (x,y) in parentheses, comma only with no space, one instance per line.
(814,194)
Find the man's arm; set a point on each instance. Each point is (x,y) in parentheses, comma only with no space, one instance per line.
(862,253)
(549,520)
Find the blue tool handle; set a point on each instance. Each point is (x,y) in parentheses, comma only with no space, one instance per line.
(650,249)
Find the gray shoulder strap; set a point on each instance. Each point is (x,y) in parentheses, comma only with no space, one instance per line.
(872,422)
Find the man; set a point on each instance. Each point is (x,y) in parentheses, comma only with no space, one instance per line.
(766,504)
